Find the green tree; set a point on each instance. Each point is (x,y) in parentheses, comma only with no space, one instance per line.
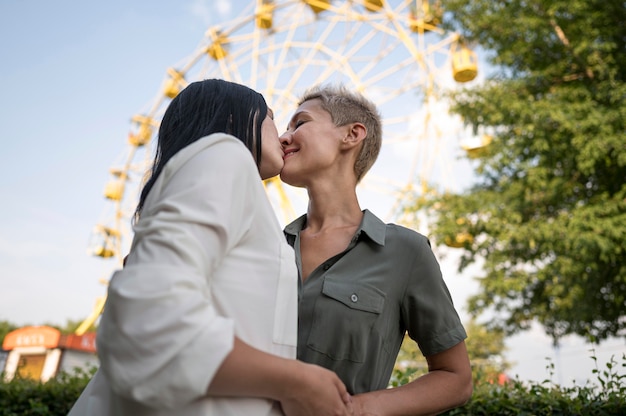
(547,213)
(5,328)
(71,326)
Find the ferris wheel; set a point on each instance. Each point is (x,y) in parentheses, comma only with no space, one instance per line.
(393,52)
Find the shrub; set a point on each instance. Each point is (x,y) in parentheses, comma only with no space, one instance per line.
(607,397)
(546,398)
(25,397)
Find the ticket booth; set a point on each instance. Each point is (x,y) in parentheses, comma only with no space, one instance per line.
(40,352)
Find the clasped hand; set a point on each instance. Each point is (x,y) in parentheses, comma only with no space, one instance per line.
(320,393)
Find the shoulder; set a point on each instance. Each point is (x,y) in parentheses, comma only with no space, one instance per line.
(408,244)
(391,235)
(219,165)
(403,235)
(217,152)
(217,146)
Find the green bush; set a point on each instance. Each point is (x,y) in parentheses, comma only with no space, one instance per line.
(25,397)
(606,398)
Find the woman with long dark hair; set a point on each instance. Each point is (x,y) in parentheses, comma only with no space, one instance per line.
(202,319)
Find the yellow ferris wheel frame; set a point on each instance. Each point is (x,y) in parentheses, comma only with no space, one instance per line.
(393,51)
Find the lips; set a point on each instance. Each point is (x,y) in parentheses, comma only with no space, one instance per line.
(289,152)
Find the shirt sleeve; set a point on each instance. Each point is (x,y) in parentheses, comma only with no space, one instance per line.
(160,339)
(427,308)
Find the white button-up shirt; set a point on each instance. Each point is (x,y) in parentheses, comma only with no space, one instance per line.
(208,262)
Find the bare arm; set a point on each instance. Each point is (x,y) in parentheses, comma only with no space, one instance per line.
(302,389)
(448,384)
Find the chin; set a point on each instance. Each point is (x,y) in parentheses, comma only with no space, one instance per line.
(265,176)
(270,172)
(285,178)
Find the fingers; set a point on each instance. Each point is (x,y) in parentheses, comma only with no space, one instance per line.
(349,405)
(326,395)
(346,397)
(343,392)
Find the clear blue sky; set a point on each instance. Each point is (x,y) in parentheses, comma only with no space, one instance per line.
(73,73)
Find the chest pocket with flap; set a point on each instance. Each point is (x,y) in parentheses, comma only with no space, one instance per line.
(343,317)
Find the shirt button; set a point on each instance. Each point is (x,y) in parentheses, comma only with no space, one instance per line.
(354,297)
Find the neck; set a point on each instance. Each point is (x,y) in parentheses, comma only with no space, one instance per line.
(332,207)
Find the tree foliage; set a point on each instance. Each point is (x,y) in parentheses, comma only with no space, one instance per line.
(71,326)
(5,328)
(548,211)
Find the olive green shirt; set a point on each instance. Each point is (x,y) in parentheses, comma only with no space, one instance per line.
(355,308)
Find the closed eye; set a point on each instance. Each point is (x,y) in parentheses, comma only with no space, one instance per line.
(297,120)
(293,126)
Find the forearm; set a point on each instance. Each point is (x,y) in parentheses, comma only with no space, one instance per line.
(248,372)
(448,384)
(302,389)
(430,394)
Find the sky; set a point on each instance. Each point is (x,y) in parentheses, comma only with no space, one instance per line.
(73,74)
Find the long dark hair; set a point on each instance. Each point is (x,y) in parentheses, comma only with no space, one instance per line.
(202,108)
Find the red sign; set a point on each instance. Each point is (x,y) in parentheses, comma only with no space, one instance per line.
(85,342)
(32,336)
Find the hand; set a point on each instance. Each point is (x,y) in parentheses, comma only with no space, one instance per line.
(319,392)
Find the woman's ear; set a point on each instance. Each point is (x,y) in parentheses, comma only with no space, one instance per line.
(355,134)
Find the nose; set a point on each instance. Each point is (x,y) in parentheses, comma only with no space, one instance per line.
(285,138)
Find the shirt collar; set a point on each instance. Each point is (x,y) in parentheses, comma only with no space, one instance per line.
(294,227)
(373,227)
(370,225)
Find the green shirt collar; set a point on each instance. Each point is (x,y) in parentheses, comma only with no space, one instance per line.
(370,225)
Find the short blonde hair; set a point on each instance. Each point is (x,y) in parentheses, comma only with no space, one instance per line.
(345,107)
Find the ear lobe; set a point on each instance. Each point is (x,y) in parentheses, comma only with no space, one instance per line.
(355,134)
